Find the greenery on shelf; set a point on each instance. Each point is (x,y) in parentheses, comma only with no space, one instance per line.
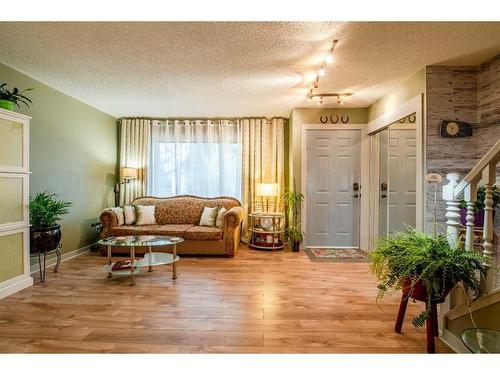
(479,203)
(46,210)
(414,256)
(15,96)
(293,203)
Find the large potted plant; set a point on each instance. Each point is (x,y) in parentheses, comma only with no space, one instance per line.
(479,206)
(45,213)
(8,99)
(293,204)
(424,267)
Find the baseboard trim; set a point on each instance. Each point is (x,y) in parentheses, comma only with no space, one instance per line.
(66,256)
(15,285)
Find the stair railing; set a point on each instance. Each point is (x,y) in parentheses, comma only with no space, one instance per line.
(485,171)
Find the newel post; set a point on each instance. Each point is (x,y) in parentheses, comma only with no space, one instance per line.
(452,210)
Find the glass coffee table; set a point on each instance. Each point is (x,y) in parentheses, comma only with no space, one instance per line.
(481,340)
(150,258)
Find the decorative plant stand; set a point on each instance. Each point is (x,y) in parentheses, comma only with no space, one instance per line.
(42,269)
(419,293)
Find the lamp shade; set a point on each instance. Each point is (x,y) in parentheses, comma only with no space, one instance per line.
(129,173)
(267,190)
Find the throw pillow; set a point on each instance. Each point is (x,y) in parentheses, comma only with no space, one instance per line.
(209,216)
(145,215)
(219,222)
(129,213)
(119,214)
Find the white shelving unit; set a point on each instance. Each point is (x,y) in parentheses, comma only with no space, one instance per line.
(14,197)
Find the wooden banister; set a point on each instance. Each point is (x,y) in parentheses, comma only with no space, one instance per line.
(492,157)
(484,170)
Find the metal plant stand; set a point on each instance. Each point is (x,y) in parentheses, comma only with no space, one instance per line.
(42,261)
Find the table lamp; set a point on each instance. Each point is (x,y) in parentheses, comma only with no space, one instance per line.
(267,190)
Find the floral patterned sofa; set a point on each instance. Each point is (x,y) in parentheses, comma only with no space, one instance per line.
(179,216)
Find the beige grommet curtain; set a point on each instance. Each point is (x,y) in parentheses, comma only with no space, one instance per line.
(263,153)
(135,135)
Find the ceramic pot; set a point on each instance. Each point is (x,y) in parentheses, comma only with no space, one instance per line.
(7,104)
(296,246)
(478,217)
(44,239)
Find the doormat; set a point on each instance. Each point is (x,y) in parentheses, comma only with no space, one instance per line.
(320,254)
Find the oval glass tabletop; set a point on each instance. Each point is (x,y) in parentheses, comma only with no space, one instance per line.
(480,340)
(140,241)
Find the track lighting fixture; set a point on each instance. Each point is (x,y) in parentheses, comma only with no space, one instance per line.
(339,95)
(328,59)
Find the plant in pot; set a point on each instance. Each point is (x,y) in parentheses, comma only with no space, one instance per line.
(479,206)
(425,268)
(45,213)
(293,204)
(10,98)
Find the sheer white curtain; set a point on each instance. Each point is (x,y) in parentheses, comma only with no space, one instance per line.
(195,157)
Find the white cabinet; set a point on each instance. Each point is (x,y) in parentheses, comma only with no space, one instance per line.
(14,196)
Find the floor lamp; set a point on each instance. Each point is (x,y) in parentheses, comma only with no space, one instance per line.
(127,174)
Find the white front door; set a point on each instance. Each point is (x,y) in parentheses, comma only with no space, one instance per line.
(333,192)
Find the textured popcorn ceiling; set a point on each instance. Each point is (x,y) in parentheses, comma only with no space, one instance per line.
(232,69)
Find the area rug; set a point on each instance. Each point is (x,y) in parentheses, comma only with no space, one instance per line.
(320,254)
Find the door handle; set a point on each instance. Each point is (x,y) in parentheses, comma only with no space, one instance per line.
(383,196)
(355,195)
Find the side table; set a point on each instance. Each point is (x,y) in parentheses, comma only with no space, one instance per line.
(267,230)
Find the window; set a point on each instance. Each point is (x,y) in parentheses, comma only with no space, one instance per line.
(197,158)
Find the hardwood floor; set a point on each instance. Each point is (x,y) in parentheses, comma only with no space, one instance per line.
(258,302)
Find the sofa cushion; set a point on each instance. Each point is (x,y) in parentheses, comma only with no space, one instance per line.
(176,230)
(203,233)
(127,230)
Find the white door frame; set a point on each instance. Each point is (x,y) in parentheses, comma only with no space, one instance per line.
(364,229)
(414,105)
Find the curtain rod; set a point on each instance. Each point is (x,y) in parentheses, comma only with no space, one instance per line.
(201,118)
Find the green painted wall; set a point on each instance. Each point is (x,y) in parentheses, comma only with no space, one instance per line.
(73,149)
(409,88)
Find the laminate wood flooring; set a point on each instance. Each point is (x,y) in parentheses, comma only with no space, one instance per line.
(258,302)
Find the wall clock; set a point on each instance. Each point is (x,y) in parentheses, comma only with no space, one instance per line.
(455,129)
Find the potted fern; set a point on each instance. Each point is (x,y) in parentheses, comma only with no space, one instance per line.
(10,98)
(45,213)
(293,203)
(425,267)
